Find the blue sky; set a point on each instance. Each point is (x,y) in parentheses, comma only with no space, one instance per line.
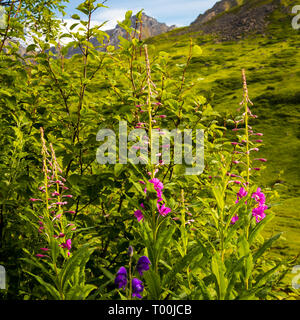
(178,12)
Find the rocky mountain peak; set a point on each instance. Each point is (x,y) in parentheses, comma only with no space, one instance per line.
(232,19)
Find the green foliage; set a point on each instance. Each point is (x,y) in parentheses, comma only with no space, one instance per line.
(195,250)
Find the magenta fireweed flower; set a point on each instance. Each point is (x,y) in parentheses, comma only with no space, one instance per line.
(235,161)
(139,215)
(45,249)
(234,219)
(55,193)
(234,181)
(56,217)
(259,141)
(261,159)
(158,185)
(242,193)
(41,255)
(121,278)
(259,196)
(70,211)
(61,235)
(67,244)
(137,288)
(163,116)
(142,265)
(142,205)
(234,143)
(163,210)
(259,212)
(257,169)
(40,229)
(258,134)
(61,203)
(189,222)
(35,200)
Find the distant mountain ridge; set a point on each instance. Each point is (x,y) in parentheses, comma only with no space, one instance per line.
(150,28)
(232,19)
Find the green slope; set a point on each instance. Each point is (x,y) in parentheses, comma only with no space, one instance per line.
(272,63)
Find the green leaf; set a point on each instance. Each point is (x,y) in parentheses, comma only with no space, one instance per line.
(197,51)
(75,16)
(218,269)
(181,264)
(267,244)
(153,284)
(76,264)
(259,227)
(50,288)
(79,292)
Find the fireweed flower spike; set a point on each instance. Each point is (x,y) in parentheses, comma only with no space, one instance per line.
(137,288)
(142,265)
(121,278)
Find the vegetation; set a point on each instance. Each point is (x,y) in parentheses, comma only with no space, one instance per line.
(72,228)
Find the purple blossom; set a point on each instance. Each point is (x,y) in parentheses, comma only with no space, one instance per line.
(139,215)
(121,278)
(157,184)
(41,255)
(67,244)
(137,288)
(259,196)
(234,219)
(35,200)
(163,210)
(130,251)
(259,212)
(242,193)
(261,159)
(143,265)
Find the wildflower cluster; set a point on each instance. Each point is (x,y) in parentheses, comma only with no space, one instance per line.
(55,199)
(161,207)
(259,211)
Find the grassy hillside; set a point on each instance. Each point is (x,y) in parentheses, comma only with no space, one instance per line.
(272,63)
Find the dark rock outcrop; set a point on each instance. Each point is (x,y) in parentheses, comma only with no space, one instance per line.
(233,19)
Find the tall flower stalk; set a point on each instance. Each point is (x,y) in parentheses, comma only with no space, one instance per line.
(245,102)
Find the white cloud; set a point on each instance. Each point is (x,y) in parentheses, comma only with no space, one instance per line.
(112,15)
